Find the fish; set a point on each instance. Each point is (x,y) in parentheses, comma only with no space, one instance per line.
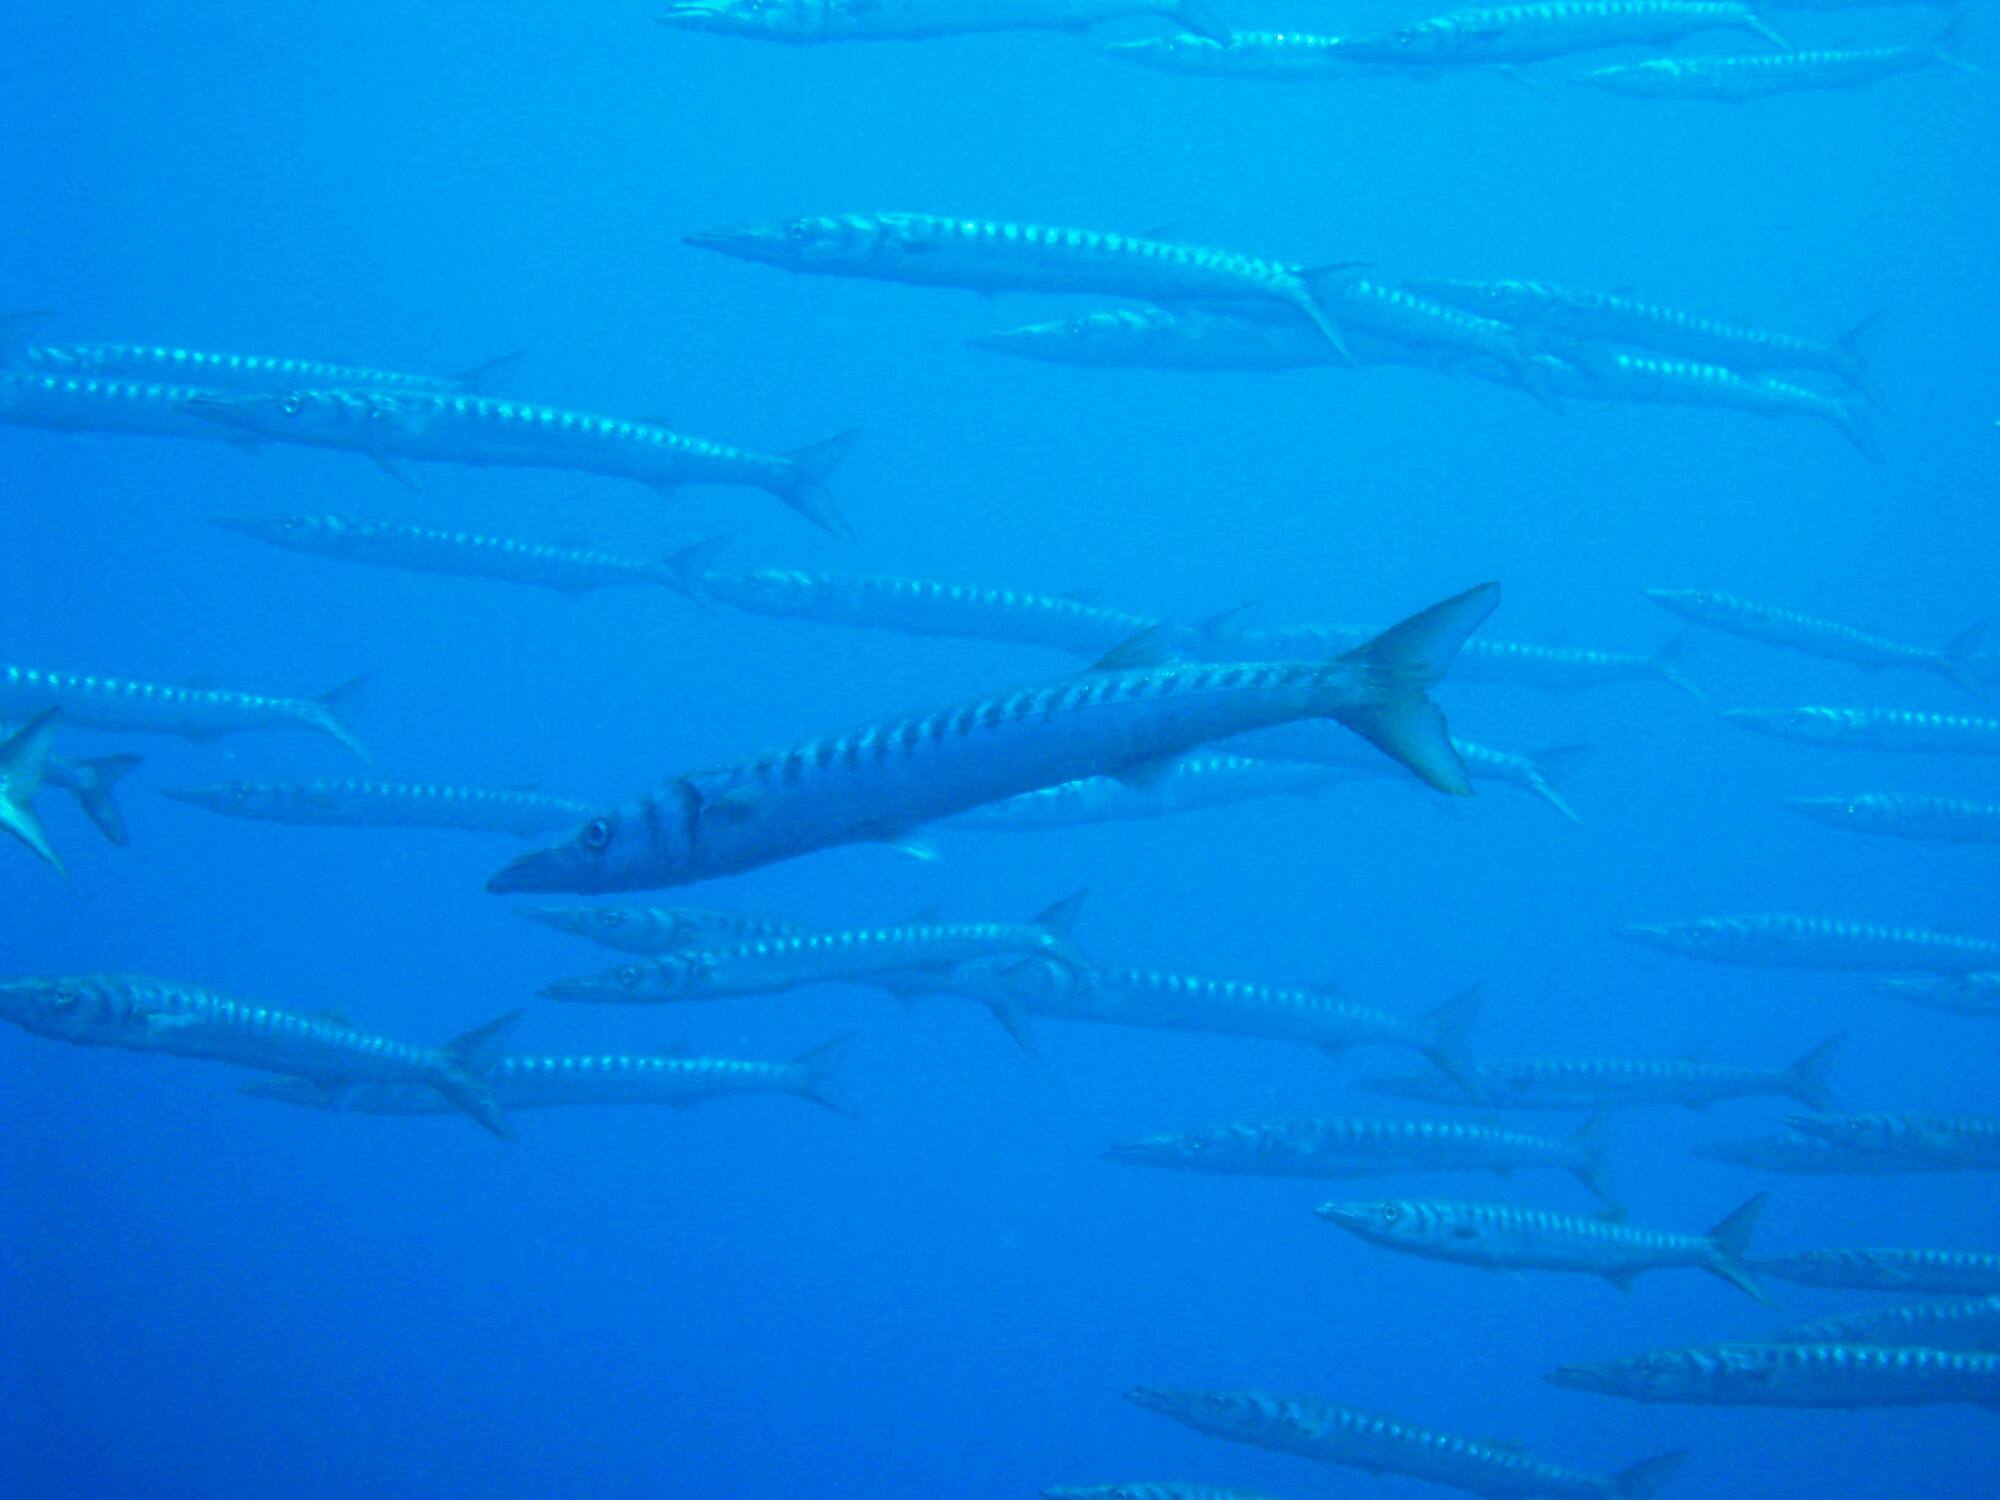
(24,758)
(1875,1268)
(1800,1155)
(1645,379)
(342,802)
(194,713)
(1242,54)
(1844,1376)
(1308,1427)
(1947,1323)
(1534,32)
(986,255)
(1372,1146)
(1732,80)
(141,1014)
(652,930)
(1958,661)
(91,781)
(1601,1082)
(1402,316)
(806,21)
(1193,337)
(1146,1492)
(1965,1143)
(1976,994)
(1902,730)
(133,408)
(522,1081)
(1195,782)
(1131,717)
(1501,1237)
(398,429)
(1906,815)
(1787,941)
(569,570)
(165,365)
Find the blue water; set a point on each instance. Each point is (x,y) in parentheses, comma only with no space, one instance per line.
(204,1295)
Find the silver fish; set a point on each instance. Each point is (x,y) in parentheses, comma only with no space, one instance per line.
(1892,729)
(1195,782)
(1552,28)
(653,930)
(1734,79)
(1656,380)
(1242,54)
(1785,941)
(195,713)
(921,20)
(83,403)
(166,365)
(1958,661)
(1145,1492)
(1878,1269)
(1963,1143)
(1801,1155)
(1844,1376)
(1976,994)
(1906,815)
(342,802)
(1948,1323)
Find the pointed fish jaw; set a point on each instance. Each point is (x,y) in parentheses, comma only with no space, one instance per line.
(263,528)
(586,987)
(578,921)
(1154,1150)
(226,411)
(769,246)
(1356,1218)
(215,798)
(1831,811)
(1606,1377)
(1664,936)
(709,15)
(561,867)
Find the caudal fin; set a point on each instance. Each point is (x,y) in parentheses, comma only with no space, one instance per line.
(468,1058)
(23,759)
(1730,1240)
(687,569)
(1401,663)
(1853,350)
(93,793)
(1320,289)
(1965,663)
(335,704)
(803,486)
(1589,1142)
(1806,1079)
(1059,921)
(1549,769)
(1644,1479)
(1857,426)
(1198,18)
(1447,1032)
(813,1072)
(1670,663)
(1949,45)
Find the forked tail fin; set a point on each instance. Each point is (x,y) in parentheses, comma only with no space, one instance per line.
(1402,662)
(1670,662)
(814,1070)
(1730,1240)
(803,486)
(1949,45)
(687,569)
(1644,1479)
(23,757)
(1319,296)
(1854,348)
(1198,18)
(93,793)
(1767,31)
(1446,1043)
(1589,1143)
(463,1079)
(1549,769)
(334,705)
(1966,664)
(1059,921)
(1858,427)
(1806,1079)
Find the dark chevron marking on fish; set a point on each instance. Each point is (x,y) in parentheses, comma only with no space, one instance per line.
(1553,28)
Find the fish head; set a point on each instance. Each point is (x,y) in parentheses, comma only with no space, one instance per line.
(62,1006)
(802,244)
(1190,1150)
(275,414)
(1053,340)
(1182,52)
(286,530)
(677,976)
(648,843)
(1692,604)
(219,796)
(733,17)
(1222,1413)
(577,921)
(1658,1375)
(1855,1132)
(1785,723)
(1394,1222)
(1835,812)
(1643,80)
(1701,937)
(1415,45)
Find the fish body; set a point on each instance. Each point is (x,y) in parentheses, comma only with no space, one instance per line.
(1843,1376)
(1733,79)
(809,21)
(462,554)
(1947,1323)
(1243,54)
(1801,1155)
(882,780)
(1786,941)
(139,1014)
(1976,994)
(1196,781)
(1500,1236)
(1617,375)
(1957,662)
(1310,1428)
(1901,730)
(401,428)
(1611,1082)
(1906,815)
(166,365)
(1946,1142)
(88,403)
(1553,28)
(1941,1273)
(652,930)
(195,713)
(343,802)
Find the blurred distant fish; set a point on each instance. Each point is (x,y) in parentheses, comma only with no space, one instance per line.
(398,429)
(1959,1143)
(570,570)
(24,756)
(90,781)
(1241,54)
(1842,1376)
(1904,815)
(1373,1146)
(563,1080)
(922,20)
(1948,1323)
(1541,775)
(1896,729)
(343,802)
(651,930)
(1146,1492)
(150,364)
(1958,661)
(1365,1440)
(984,255)
(1502,1237)
(1597,1082)
(1976,994)
(1132,717)
(1785,941)
(1187,338)
(80,403)
(139,1014)
(195,713)
(1734,79)
(1615,375)
(1878,1269)
(1802,1156)
(1195,782)
(1553,28)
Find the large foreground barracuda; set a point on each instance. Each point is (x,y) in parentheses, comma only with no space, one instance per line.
(1732,79)
(80,403)
(652,930)
(1785,941)
(463,554)
(922,20)
(1906,815)
(1823,1375)
(986,255)
(165,365)
(139,1014)
(1553,28)
(1131,717)
(1365,1440)
(1948,1323)
(1875,1268)
(341,802)
(1958,661)
(195,713)
(1194,783)
(1598,1082)
(1976,994)
(1959,1143)
(1500,1236)
(567,1081)
(1371,1146)
(1894,729)
(398,429)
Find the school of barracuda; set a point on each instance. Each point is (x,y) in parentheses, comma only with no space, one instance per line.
(1173,717)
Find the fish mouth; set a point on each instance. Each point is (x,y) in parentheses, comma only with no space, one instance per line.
(561,918)
(535,873)
(1352,1216)
(1140,1152)
(1154,1398)
(1649,934)
(1815,1127)
(244,525)
(728,241)
(1587,1377)
(587,988)
(215,408)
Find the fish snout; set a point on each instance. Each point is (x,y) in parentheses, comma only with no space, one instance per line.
(1350,1216)
(1581,1377)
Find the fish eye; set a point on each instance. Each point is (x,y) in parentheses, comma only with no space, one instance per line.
(596,833)
(1391,1214)
(291,406)
(798,229)
(629,976)
(611,917)
(239,793)
(290,523)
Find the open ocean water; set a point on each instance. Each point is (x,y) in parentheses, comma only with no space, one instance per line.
(204,1294)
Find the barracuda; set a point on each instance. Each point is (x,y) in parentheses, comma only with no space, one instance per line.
(1242,54)
(192,713)
(1194,783)
(341,802)
(91,782)
(139,1014)
(1370,1146)
(987,255)
(922,20)
(1963,1143)
(1799,1155)
(194,368)
(1731,79)
(1905,815)
(1875,1268)
(1189,338)
(1499,1236)
(1949,1323)
(1532,33)
(1844,1376)
(1893,729)
(1785,941)
(400,428)
(1597,1082)
(83,403)
(1146,1492)
(1315,1429)
(1130,718)
(652,930)
(1958,661)
(567,1081)
(569,570)
(1976,994)
(1614,375)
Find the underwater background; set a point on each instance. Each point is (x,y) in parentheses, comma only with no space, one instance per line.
(205,1295)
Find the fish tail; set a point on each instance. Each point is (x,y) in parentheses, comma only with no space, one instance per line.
(1644,1479)
(1589,1142)
(815,1069)
(1195,16)
(1755,22)
(1059,921)
(334,705)
(803,486)
(687,569)
(24,757)
(1853,420)
(1446,1031)
(479,377)
(1403,661)
(1670,661)
(1948,46)
(94,796)
(1319,289)
(1550,769)
(1806,1079)
(1854,349)
(463,1080)
(1966,664)
(1730,1240)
